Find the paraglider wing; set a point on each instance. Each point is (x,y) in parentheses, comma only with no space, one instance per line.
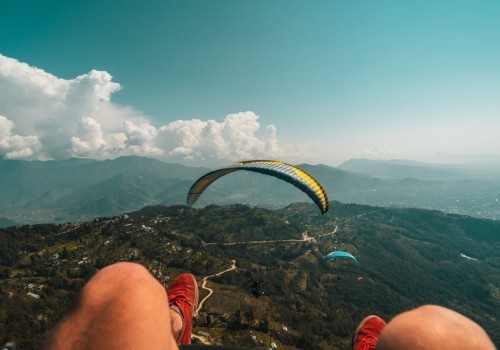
(339,254)
(203,182)
(286,172)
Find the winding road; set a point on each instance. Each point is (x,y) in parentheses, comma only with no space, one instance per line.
(305,238)
(210,291)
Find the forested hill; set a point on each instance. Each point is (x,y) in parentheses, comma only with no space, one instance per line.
(406,258)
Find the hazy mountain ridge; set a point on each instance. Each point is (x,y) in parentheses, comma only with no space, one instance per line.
(80,189)
(407,257)
(77,189)
(401,169)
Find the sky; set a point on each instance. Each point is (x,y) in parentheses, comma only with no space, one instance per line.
(215,81)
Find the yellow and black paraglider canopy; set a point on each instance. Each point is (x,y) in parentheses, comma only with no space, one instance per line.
(286,172)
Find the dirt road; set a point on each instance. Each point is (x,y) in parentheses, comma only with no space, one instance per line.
(210,291)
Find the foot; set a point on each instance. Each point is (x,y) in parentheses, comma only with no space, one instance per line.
(367,333)
(183,298)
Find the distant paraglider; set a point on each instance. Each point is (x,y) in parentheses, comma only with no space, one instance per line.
(339,254)
(283,171)
(257,289)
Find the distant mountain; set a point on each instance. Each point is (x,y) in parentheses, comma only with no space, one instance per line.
(457,189)
(401,169)
(81,189)
(77,189)
(4,222)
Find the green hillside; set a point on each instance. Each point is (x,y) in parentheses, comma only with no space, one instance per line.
(406,258)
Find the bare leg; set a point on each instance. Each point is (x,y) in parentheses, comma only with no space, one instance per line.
(176,324)
(121,307)
(433,327)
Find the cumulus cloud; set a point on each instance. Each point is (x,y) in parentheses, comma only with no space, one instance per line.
(53,118)
(46,117)
(15,146)
(234,137)
(90,139)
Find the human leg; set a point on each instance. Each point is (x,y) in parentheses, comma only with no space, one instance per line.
(122,306)
(433,327)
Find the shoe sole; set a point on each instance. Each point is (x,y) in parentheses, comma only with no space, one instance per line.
(361,324)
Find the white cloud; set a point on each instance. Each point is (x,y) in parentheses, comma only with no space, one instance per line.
(90,139)
(57,118)
(233,138)
(15,146)
(141,138)
(46,117)
(377,152)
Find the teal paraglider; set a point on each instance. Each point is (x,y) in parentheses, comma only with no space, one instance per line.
(339,254)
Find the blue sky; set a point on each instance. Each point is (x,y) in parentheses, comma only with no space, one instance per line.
(328,80)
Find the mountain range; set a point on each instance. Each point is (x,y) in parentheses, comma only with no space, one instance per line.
(81,189)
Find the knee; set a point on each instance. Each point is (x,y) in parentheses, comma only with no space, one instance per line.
(122,274)
(120,279)
(433,327)
(123,271)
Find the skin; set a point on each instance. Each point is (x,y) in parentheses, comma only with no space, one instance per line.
(122,307)
(433,327)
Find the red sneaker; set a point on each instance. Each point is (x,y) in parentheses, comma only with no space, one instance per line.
(367,333)
(183,293)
